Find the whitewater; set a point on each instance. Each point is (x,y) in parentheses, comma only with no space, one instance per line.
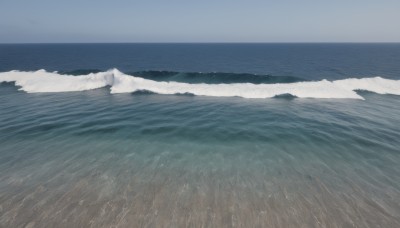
(42,81)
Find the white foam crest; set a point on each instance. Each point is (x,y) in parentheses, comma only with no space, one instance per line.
(42,81)
(376,85)
(320,89)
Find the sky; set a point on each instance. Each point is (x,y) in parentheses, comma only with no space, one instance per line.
(81,21)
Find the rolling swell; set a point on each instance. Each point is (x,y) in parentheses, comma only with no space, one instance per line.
(218,84)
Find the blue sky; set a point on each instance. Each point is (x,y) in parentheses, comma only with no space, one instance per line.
(199,21)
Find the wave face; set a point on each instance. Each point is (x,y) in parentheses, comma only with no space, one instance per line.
(268,87)
(198,77)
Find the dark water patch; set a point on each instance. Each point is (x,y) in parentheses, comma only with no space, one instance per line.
(80,72)
(286,96)
(8,86)
(148,92)
(185,94)
(214,77)
(143,92)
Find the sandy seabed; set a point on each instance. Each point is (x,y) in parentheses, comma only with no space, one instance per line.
(172,190)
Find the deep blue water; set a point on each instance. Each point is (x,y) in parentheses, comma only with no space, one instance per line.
(310,61)
(91,158)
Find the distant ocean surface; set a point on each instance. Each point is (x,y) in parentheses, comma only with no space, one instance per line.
(199,135)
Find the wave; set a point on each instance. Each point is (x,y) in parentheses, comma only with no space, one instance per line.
(118,82)
(199,77)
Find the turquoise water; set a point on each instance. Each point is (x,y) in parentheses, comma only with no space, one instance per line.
(95,159)
(181,160)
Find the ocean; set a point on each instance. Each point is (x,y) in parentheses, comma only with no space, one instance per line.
(200,135)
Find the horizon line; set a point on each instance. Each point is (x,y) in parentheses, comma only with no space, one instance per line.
(273,42)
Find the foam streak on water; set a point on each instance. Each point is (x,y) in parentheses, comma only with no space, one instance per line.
(42,81)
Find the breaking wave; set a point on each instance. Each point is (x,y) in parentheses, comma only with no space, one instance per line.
(170,83)
(199,77)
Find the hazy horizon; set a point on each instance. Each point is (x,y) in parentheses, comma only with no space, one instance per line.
(293,42)
(237,21)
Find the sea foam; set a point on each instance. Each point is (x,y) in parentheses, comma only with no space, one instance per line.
(43,81)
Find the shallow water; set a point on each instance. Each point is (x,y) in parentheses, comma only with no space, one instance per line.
(91,159)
